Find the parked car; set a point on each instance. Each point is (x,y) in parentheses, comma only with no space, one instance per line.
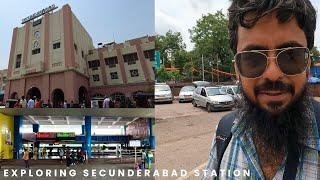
(212,98)
(162,93)
(232,90)
(185,94)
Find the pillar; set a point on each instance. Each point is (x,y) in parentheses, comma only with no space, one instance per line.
(151,136)
(83,133)
(35,128)
(87,123)
(17,137)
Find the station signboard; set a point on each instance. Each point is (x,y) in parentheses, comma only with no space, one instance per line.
(65,134)
(46,135)
(39,13)
(135,143)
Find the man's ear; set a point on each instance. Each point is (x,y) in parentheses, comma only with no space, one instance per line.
(236,70)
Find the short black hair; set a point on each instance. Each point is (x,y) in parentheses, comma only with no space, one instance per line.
(302,10)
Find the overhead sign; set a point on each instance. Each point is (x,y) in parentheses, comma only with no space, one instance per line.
(39,13)
(66,134)
(46,135)
(135,143)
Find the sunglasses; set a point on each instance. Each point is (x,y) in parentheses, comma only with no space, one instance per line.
(291,61)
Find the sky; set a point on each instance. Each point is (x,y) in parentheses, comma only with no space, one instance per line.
(182,15)
(104,20)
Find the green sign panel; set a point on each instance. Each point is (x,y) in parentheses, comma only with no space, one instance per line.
(65,134)
(157,59)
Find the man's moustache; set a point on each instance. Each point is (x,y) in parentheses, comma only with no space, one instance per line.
(269,85)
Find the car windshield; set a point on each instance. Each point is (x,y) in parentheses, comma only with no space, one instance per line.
(236,89)
(162,88)
(187,88)
(215,91)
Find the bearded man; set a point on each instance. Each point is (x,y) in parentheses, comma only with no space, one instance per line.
(274,133)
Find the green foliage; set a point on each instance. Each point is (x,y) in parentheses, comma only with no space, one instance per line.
(163,75)
(211,39)
(171,47)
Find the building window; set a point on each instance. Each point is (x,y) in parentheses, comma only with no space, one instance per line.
(95,77)
(75,47)
(94,64)
(36,51)
(82,54)
(37,22)
(130,58)
(114,75)
(56,45)
(18,61)
(111,61)
(134,73)
(149,54)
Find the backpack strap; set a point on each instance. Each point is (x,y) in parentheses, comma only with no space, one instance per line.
(316,107)
(223,137)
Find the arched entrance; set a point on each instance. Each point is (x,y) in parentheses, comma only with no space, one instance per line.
(34,91)
(57,98)
(14,95)
(142,99)
(83,95)
(120,98)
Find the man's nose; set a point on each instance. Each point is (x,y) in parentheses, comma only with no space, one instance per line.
(272,72)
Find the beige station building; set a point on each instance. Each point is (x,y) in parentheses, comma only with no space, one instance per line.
(53,58)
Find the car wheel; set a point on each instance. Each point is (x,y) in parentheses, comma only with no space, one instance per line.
(194,103)
(209,108)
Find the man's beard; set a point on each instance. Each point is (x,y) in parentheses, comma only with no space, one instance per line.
(277,131)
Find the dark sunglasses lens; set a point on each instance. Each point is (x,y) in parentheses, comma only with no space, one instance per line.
(293,61)
(251,64)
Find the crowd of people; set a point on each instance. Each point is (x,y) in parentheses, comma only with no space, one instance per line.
(108,102)
(71,156)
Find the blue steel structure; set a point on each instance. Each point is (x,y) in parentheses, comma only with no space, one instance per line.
(87,123)
(17,136)
(86,138)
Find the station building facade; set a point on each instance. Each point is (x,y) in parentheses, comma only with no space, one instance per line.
(53,58)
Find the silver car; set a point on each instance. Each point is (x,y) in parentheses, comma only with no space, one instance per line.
(233,90)
(162,93)
(186,93)
(212,98)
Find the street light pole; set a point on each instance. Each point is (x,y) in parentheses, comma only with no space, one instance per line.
(202,68)
(218,68)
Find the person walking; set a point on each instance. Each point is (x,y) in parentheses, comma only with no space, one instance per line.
(61,154)
(35,153)
(65,104)
(31,102)
(106,102)
(26,157)
(68,157)
(23,102)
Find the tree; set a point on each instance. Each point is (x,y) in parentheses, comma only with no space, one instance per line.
(210,35)
(315,54)
(171,47)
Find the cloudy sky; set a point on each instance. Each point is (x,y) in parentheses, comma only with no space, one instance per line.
(181,15)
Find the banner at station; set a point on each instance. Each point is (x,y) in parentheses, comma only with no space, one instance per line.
(65,134)
(46,135)
(138,129)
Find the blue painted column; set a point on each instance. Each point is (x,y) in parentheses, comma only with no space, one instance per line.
(151,136)
(87,123)
(17,137)
(83,133)
(35,128)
